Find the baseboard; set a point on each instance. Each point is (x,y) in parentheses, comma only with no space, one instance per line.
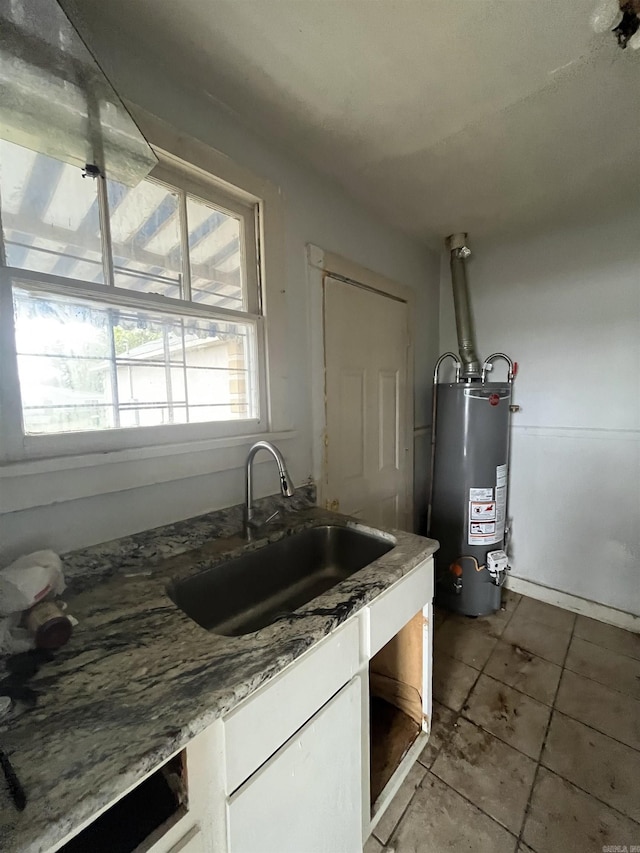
(602,612)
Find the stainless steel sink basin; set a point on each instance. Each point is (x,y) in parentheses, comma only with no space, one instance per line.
(250,592)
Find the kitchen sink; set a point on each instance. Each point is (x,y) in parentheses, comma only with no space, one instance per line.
(249,592)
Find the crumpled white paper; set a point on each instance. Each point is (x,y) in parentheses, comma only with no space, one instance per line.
(25,582)
(30,579)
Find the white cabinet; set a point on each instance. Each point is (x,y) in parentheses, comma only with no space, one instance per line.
(306,798)
(264,721)
(287,771)
(393,609)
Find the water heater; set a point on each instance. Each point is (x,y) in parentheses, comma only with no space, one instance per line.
(469,493)
(469,465)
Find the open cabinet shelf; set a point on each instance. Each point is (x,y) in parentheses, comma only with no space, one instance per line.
(395,703)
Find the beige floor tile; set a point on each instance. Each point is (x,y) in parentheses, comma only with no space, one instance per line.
(442,727)
(490,626)
(493,776)
(510,599)
(522,848)
(604,665)
(464,642)
(513,717)
(373,845)
(624,642)
(439,819)
(615,714)
(563,818)
(398,804)
(494,624)
(452,681)
(594,762)
(526,672)
(530,609)
(542,640)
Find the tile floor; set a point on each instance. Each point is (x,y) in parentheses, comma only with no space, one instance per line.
(535,743)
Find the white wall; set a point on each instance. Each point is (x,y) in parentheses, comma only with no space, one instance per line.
(566,306)
(316,211)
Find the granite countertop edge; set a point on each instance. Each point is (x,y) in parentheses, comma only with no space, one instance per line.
(140,671)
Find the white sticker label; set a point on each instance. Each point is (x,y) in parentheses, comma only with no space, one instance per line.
(480,494)
(482,511)
(501,475)
(482,533)
(501,507)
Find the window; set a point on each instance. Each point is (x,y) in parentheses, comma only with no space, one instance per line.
(125,307)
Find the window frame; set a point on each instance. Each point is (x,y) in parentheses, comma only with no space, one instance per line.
(18,446)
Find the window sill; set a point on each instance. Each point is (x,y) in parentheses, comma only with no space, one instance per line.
(41,482)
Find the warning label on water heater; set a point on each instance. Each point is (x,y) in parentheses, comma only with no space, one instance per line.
(482,533)
(485,527)
(482,511)
(501,506)
(480,494)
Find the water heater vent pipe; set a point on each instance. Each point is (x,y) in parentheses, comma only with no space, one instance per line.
(457,246)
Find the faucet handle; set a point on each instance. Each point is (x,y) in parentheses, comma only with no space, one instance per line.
(257,523)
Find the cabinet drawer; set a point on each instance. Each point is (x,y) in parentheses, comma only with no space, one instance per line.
(307,797)
(262,723)
(394,608)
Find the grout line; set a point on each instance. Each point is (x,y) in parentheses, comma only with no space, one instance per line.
(589,794)
(475,805)
(552,710)
(406,808)
(441,747)
(517,689)
(497,737)
(593,729)
(427,769)
(606,648)
(544,740)
(595,680)
(602,684)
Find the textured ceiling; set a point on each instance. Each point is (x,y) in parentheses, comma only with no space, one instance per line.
(478,115)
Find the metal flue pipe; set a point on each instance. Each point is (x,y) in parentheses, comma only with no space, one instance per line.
(457,246)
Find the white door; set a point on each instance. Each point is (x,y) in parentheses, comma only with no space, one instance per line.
(366,456)
(306,797)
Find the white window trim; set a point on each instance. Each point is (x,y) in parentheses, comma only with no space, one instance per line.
(43,482)
(176,444)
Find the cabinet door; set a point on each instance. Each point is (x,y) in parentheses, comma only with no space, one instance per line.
(306,798)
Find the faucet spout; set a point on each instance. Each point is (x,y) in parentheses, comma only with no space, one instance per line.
(286,484)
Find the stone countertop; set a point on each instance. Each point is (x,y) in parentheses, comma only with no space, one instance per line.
(139,679)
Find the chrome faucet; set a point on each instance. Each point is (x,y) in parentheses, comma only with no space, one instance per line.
(286,485)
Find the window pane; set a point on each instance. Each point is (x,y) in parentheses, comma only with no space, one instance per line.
(215,253)
(62,348)
(85,366)
(145,234)
(50,215)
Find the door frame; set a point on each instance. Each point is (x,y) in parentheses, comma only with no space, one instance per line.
(321,264)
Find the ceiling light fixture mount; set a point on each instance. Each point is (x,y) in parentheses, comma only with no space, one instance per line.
(622,18)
